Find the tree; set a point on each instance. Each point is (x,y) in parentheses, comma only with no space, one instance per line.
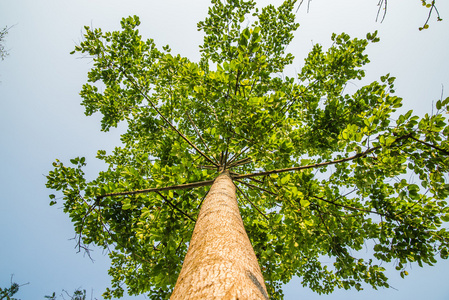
(3,51)
(319,171)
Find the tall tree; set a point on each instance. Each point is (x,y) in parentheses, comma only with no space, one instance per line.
(318,171)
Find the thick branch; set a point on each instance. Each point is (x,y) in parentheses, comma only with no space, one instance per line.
(207,167)
(350,207)
(238,154)
(430,145)
(358,155)
(240,162)
(166,188)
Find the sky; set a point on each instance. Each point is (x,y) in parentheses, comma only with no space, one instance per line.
(41,119)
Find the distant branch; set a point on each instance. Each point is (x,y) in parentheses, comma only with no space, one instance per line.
(432,7)
(382,3)
(358,155)
(111,235)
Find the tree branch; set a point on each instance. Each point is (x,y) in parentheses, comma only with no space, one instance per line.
(350,207)
(358,155)
(246,197)
(430,145)
(240,162)
(112,235)
(197,132)
(166,188)
(174,206)
(380,4)
(255,186)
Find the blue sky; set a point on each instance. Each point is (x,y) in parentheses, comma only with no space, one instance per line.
(41,119)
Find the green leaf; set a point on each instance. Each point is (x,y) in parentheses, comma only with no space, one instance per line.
(285,179)
(304,203)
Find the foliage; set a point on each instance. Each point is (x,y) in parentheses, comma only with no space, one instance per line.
(7,293)
(78,294)
(320,172)
(3,51)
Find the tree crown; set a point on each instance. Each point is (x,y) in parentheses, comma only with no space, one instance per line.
(319,171)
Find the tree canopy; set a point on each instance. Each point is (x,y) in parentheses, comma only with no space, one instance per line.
(320,172)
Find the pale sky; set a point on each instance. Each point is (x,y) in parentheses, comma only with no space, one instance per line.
(41,119)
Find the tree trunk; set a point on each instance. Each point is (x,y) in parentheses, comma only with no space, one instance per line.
(220,262)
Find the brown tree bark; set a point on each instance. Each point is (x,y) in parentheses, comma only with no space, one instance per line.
(220,262)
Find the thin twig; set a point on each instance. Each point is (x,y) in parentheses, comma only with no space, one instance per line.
(246,197)
(350,207)
(174,207)
(255,186)
(204,197)
(199,134)
(322,220)
(380,4)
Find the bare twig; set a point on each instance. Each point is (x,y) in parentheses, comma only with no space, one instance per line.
(382,3)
